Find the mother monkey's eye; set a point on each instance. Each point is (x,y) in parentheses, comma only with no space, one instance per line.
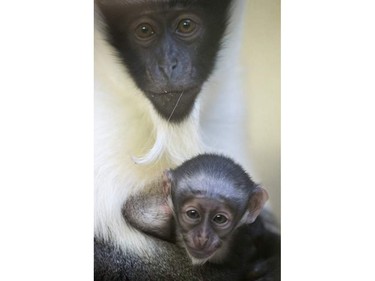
(186,26)
(144,31)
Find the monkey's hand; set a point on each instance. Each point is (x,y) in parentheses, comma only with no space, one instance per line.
(265,266)
(150,214)
(265,270)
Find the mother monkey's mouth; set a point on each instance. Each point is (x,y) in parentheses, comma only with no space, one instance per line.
(174,106)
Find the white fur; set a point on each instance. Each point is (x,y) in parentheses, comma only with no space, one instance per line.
(133,145)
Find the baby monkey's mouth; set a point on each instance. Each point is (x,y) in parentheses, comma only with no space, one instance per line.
(201,253)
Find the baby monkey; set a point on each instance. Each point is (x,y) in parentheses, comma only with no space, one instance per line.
(203,203)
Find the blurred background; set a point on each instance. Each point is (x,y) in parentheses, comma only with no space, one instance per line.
(261,59)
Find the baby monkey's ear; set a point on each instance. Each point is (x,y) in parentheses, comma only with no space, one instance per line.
(256,203)
(167,182)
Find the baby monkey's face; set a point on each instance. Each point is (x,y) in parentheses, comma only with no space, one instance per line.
(211,196)
(204,224)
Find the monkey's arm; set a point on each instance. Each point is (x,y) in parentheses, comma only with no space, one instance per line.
(150,214)
(168,263)
(266,264)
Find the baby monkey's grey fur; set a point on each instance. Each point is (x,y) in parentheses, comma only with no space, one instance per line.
(201,204)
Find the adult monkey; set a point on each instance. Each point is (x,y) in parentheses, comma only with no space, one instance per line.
(165,88)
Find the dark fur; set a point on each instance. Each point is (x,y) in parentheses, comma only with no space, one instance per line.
(257,258)
(169,64)
(218,167)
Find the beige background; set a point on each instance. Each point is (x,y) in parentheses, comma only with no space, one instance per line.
(261,58)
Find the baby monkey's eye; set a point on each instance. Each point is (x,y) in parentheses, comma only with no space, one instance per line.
(220,219)
(193,214)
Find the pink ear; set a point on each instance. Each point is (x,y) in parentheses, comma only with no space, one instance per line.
(167,182)
(256,203)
